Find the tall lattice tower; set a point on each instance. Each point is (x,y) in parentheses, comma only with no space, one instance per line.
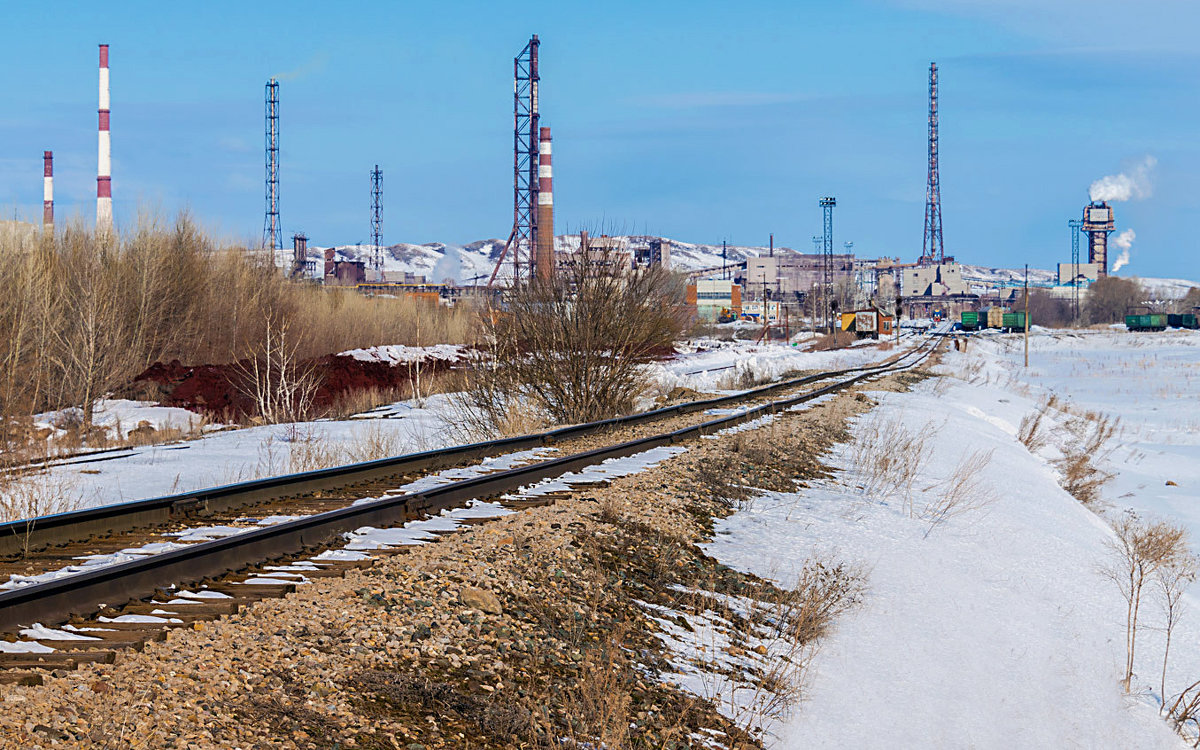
(377,218)
(827,301)
(522,242)
(932,250)
(272,230)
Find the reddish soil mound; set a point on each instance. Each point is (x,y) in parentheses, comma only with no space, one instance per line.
(217,390)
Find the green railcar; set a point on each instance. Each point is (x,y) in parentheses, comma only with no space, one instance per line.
(1150,322)
(1184,320)
(970,321)
(1014,321)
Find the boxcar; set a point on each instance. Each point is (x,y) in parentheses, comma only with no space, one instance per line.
(1183,320)
(1014,321)
(1150,322)
(969,320)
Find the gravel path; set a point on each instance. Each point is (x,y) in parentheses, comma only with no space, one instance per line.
(509,634)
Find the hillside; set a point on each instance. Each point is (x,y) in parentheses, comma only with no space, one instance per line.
(474,262)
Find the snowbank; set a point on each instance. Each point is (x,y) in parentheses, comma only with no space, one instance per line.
(995,629)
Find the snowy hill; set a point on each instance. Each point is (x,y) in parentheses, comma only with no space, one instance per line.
(473,263)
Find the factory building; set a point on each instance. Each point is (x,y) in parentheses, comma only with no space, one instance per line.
(789,273)
(711,297)
(1098,223)
(1088,272)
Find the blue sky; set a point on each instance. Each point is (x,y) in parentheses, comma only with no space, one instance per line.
(696,120)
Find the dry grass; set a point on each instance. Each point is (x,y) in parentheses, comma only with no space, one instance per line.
(964,491)
(888,457)
(1088,445)
(82,313)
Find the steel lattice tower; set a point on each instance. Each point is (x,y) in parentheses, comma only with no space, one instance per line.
(827,203)
(523,239)
(932,249)
(1075,225)
(272,230)
(377,218)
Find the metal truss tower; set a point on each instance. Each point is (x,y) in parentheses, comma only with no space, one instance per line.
(932,249)
(1075,225)
(272,230)
(827,300)
(377,218)
(522,242)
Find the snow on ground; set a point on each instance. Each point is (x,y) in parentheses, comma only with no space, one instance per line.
(401,354)
(123,416)
(238,455)
(1150,381)
(995,628)
(709,365)
(227,456)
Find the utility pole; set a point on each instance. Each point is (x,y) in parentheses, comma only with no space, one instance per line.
(724,261)
(1026,315)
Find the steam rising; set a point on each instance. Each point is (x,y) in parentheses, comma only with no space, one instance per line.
(314,64)
(1132,184)
(1124,240)
(449,266)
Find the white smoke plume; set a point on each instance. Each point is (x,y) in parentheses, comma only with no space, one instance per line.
(449,266)
(1132,184)
(1124,240)
(314,64)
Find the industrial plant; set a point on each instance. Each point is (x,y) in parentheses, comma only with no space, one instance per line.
(768,287)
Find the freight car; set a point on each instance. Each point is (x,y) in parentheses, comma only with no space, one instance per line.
(969,320)
(1014,321)
(1182,320)
(1150,322)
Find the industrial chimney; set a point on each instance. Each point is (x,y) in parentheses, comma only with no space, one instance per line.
(104,213)
(48,191)
(1098,223)
(544,264)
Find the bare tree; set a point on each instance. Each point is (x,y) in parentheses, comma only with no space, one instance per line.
(1140,550)
(1111,297)
(1172,580)
(572,348)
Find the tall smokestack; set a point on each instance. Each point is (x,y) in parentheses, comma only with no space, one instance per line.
(545,219)
(104,213)
(48,191)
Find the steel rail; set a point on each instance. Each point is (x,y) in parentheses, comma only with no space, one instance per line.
(84,593)
(18,537)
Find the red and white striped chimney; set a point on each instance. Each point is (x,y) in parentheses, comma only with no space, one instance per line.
(104,212)
(48,190)
(544,263)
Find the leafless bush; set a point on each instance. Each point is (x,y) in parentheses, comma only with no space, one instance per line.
(1139,552)
(965,490)
(275,379)
(572,348)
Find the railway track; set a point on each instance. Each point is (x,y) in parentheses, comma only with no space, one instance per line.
(129,603)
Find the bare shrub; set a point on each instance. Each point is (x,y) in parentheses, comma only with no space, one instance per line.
(965,490)
(1140,550)
(571,348)
(275,379)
